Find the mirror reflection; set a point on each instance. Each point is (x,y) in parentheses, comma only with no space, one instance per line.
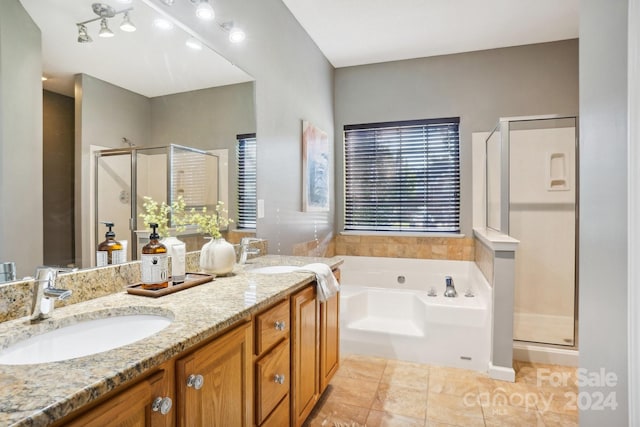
(134,90)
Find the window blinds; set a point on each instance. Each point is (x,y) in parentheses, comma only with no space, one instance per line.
(403,176)
(247,182)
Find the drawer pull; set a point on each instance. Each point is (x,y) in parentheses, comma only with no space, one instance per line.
(278,378)
(195,381)
(162,405)
(280,325)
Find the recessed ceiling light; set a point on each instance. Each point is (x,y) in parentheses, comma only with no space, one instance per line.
(205,11)
(236,35)
(163,24)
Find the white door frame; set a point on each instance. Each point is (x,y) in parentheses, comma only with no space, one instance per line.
(633,220)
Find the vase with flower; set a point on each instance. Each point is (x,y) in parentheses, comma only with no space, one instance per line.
(217,256)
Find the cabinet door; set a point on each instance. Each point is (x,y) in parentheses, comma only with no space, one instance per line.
(214,383)
(329,340)
(305,323)
(131,407)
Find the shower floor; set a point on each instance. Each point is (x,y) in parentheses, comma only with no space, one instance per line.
(543,328)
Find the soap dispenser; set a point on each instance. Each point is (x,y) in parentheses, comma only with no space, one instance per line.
(155,264)
(110,251)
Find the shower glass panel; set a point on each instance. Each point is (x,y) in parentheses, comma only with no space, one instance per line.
(539,209)
(493,169)
(125,176)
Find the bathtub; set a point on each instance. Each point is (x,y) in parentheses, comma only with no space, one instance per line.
(386,311)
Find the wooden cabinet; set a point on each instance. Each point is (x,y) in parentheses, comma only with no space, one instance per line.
(213,383)
(134,407)
(272,366)
(329,340)
(305,336)
(268,372)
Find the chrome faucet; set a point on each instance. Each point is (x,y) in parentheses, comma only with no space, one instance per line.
(451,290)
(45,292)
(246,249)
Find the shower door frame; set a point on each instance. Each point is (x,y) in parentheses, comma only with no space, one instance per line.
(503,127)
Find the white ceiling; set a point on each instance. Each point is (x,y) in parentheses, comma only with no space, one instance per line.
(149,61)
(355,32)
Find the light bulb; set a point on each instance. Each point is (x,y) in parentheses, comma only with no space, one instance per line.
(205,11)
(163,24)
(236,35)
(127,25)
(104,29)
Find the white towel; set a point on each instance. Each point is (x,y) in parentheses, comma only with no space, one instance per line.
(328,285)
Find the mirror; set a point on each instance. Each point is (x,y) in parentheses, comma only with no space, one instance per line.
(144,89)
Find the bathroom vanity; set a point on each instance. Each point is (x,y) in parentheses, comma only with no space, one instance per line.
(251,349)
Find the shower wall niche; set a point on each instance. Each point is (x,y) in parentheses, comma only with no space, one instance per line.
(530,193)
(123,177)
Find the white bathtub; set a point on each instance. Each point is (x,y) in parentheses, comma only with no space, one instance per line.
(385,311)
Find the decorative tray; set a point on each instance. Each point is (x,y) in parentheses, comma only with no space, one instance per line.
(190,280)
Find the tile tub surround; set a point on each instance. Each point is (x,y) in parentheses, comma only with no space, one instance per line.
(452,248)
(37,395)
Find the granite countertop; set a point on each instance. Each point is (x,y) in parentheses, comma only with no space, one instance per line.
(37,395)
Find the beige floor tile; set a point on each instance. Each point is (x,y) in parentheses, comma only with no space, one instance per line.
(401,400)
(385,419)
(362,368)
(352,391)
(439,424)
(406,373)
(557,399)
(554,419)
(455,386)
(496,393)
(446,408)
(331,413)
(457,373)
(511,416)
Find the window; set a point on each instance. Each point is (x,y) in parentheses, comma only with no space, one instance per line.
(247,183)
(403,176)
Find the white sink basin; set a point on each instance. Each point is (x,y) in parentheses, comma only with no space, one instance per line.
(274,269)
(83,339)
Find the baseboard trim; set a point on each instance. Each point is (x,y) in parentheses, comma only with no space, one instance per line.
(502,373)
(537,353)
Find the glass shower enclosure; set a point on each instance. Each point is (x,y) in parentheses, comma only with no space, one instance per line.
(532,195)
(123,177)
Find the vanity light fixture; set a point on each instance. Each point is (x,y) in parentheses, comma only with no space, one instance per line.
(83,37)
(105,31)
(104,12)
(204,10)
(127,25)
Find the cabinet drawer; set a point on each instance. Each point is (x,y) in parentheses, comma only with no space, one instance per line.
(280,416)
(272,380)
(272,326)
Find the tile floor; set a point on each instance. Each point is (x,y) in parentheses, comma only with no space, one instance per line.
(374,392)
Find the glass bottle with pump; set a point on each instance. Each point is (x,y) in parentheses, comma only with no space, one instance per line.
(110,251)
(155,265)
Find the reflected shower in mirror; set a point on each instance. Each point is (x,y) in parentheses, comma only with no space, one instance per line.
(135,90)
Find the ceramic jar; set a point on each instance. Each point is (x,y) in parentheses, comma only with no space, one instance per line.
(217,257)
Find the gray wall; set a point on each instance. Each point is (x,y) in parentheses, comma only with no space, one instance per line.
(20,139)
(206,119)
(603,202)
(294,82)
(58,183)
(479,87)
(104,115)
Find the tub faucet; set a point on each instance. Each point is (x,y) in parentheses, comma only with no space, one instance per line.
(45,292)
(246,249)
(451,290)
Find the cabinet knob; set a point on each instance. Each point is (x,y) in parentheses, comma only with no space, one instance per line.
(162,405)
(195,381)
(278,378)
(280,325)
